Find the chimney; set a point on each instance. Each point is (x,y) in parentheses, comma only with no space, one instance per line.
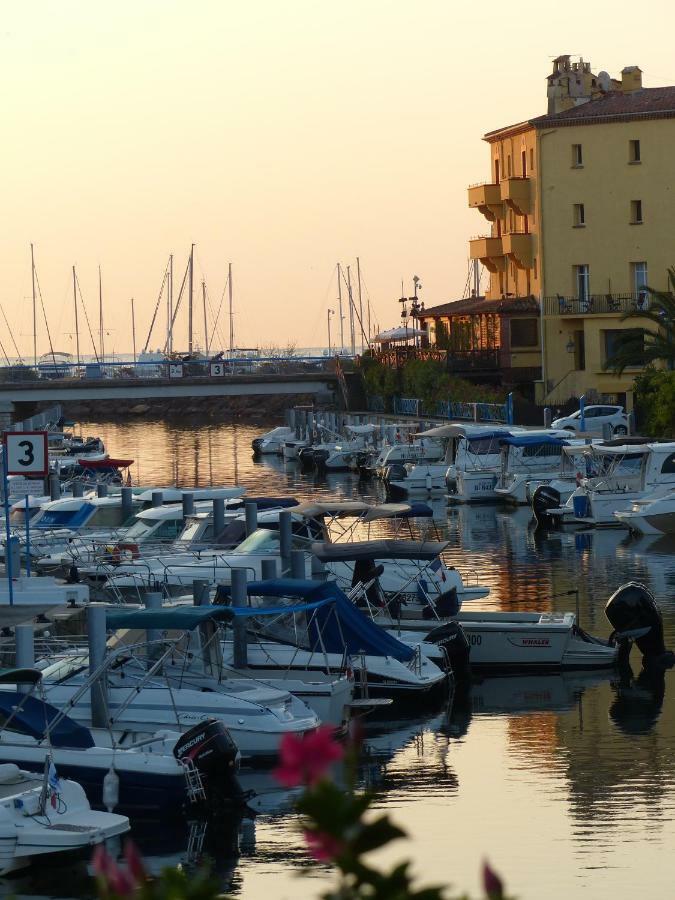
(570,84)
(631,79)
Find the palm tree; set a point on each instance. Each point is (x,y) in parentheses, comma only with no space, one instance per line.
(642,346)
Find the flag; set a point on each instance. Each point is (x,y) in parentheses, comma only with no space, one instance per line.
(53,778)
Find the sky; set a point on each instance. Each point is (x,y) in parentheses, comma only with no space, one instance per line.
(282,137)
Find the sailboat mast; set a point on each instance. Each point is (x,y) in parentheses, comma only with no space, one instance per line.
(77,327)
(32,272)
(133,328)
(342,318)
(101,347)
(190,296)
(169,309)
(206,326)
(229,287)
(351,311)
(358,279)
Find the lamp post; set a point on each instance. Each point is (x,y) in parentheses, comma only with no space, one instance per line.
(331,312)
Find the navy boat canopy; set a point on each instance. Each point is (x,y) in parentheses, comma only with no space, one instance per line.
(337,625)
(352,551)
(265,502)
(532,440)
(32,715)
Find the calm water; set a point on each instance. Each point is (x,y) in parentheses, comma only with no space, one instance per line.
(567,783)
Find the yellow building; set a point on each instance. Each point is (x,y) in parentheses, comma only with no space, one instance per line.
(581,205)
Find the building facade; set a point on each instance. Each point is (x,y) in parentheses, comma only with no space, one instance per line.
(581,212)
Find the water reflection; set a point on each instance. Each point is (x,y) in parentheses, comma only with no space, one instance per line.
(567,781)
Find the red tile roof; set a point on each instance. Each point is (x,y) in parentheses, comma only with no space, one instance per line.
(645,103)
(476,305)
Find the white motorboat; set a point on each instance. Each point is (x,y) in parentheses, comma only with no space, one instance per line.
(43,815)
(535,456)
(156,774)
(342,455)
(272,441)
(415,450)
(319,628)
(622,472)
(32,597)
(652,514)
(468,470)
(140,702)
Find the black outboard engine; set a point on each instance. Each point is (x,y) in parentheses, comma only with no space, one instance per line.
(256,444)
(209,747)
(306,457)
(452,638)
(635,617)
(544,499)
(395,472)
(320,457)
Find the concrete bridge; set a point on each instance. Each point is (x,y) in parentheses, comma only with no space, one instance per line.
(22,397)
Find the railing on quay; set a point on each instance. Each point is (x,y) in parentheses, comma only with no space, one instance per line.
(214,368)
(455,409)
(596,304)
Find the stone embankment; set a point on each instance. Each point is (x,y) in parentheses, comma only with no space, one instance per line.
(267,407)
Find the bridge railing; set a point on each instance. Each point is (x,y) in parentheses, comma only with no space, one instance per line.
(214,368)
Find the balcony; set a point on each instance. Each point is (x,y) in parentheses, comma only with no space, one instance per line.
(489,251)
(517,194)
(518,246)
(473,360)
(596,304)
(486,198)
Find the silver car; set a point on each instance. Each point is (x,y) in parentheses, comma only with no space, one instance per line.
(595,417)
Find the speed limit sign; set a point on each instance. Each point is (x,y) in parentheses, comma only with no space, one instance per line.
(26,453)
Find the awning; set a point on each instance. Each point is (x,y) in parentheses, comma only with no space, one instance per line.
(398,334)
(337,508)
(176,618)
(383,549)
(532,440)
(32,716)
(338,626)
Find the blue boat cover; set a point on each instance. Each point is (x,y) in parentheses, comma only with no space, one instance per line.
(418,510)
(530,440)
(337,625)
(264,502)
(34,716)
(187,618)
(64,518)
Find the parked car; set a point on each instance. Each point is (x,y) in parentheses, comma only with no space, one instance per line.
(595,417)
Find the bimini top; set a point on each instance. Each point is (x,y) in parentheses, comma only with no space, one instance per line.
(33,717)
(531,440)
(468,430)
(365,511)
(382,549)
(337,626)
(188,617)
(175,495)
(362,429)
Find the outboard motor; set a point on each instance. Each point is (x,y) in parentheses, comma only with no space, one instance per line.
(256,444)
(395,472)
(319,458)
(209,747)
(635,617)
(544,499)
(452,638)
(306,457)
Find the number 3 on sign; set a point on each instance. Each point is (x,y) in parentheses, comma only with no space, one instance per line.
(26,452)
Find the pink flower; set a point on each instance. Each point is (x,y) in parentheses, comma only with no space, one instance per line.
(492,883)
(305,760)
(134,862)
(323,847)
(113,878)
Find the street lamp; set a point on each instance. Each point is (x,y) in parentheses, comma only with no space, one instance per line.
(331,312)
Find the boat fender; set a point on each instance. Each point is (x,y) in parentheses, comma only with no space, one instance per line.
(111,789)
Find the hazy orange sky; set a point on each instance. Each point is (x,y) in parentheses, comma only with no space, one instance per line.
(280,136)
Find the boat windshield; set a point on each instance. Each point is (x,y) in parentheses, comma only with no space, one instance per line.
(614,464)
(139,529)
(65,667)
(265,541)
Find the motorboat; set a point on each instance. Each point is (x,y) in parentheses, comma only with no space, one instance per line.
(167,772)
(210,664)
(567,479)
(342,455)
(44,815)
(652,514)
(414,449)
(619,472)
(468,470)
(535,456)
(314,626)
(33,597)
(272,441)
(140,701)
